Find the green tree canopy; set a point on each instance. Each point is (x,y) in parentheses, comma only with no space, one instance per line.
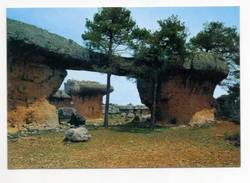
(109,33)
(158,49)
(216,37)
(221,40)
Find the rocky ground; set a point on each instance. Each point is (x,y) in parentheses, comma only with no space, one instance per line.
(127,146)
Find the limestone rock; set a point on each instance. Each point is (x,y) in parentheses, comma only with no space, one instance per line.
(29,86)
(181,99)
(79,134)
(38,115)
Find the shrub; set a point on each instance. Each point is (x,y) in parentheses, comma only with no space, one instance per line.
(233,138)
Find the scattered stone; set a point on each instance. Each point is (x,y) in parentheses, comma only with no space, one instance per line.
(180,126)
(202,124)
(123,114)
(79,134)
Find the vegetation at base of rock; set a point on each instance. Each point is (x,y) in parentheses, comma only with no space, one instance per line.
(228,106)
(233,138)
(111,148)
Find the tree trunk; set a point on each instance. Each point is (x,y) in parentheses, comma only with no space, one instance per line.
(106,116)
(153,111)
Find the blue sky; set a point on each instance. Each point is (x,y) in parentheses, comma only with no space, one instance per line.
(69,22)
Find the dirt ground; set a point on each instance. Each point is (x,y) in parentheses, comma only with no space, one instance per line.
(123,147)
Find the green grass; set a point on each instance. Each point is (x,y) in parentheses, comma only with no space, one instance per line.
(122,147)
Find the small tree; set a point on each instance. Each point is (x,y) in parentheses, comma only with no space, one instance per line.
(109,33)
(157,51)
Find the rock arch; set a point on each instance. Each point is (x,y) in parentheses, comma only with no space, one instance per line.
(36,66)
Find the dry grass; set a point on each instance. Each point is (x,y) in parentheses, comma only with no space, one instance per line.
(121,147)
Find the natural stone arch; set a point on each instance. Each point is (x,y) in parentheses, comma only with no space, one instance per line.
(36,66)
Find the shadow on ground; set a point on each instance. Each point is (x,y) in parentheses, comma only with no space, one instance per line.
(135,127)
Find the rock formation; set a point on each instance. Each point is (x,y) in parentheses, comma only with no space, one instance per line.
(29,86)
(37,45)
(36,66)
(37,61)
(61,99)
(86,97)
(186,94)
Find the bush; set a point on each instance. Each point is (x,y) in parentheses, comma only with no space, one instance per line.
(228,107)
(233,138)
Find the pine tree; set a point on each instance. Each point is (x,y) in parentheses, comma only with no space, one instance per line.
(109,33)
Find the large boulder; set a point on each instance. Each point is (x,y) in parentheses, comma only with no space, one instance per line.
(79,134)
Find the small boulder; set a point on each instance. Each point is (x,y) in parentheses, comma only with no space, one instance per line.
(79,134)
(130,115)
(123,114)
(145,118)
(202,124)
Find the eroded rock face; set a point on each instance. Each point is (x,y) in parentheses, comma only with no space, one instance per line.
(87,97)
(185,94)
(181,100)
(29,86)
(88,106)
(37,61)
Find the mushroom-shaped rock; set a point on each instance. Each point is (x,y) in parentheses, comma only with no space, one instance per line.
(185,95)
(74,87)
(36,66)
(87,97)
